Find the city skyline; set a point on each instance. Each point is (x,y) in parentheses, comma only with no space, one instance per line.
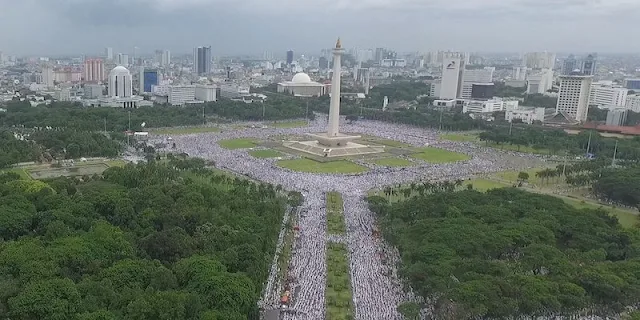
(483,26)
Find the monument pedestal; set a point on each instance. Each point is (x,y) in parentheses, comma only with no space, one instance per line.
(340,145)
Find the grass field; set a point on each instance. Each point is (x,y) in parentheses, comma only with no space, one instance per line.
(436,155)
(265,153)
(241,143)
(392,162)
(626,218)
(335,213)
(460,137)
(184,130)
(483,185)
(338,294)
(308,165)
(290,124)
(511,147)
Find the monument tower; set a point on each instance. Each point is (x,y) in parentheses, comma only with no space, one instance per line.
(333,143)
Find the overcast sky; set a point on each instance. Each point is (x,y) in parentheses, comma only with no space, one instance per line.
(52,27)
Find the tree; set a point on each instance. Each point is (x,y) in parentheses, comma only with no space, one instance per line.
(54,299)
(523,176)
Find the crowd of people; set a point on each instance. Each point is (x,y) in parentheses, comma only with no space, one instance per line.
(376,289)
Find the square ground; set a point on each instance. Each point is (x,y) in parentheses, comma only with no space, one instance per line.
(308,165)
(241,143)
(437,155)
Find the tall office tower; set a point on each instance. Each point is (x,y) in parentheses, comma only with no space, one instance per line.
(569,65)
(519,73)
(323,63)
(202,60)
(289,57)
(589,65)
(108,52)
(120,83)
(148,78)
(475,76)
(166,58)
(452,69)
(122,59)
(136,54)
(573,96)
(157,57)
(93,70)
(540,60)
(47,76)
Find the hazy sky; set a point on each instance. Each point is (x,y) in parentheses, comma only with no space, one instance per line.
(253,26)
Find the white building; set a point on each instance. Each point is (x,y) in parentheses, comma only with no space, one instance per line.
(616,116)
(63,94)
(604,94)
(233,91)
(527,114)
(176,95)
(540,60)
(540,82)
(92,91)
(434,90)
(120,83)
(301,85)
(488,106)
(573,96)
(633,103)
(475,76)
(391,63)
(451,83)
(205,93)
(108,52)
(519,73)
(47,76)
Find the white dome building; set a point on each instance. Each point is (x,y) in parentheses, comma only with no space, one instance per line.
(120,83)
(301,85)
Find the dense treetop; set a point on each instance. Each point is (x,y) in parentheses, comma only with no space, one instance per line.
(509,253)
(142,242)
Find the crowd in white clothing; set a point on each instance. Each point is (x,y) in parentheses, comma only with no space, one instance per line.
(377,291)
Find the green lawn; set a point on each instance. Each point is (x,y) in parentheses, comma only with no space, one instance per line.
(484,184)
(335,213)
(265,153)
(392,162)
(184,130)
(436,155)
(240,143)
(512,176)
(290,124)
(22,172)
(116,163)
(626,218)
(460,137)
(338,294)
(308,165)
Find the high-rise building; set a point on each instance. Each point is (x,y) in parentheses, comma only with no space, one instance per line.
(573,96)
(569,65)
(136,54)
(108,52)
(608,95)
(633,103)
(451,83)
(120,83)
(166,58)
(616,117)
(540,81)
(123,59)
(202,60)
(540,60)
(147,79)
(589,65)
(289,57)
(93,70)
(473,76)
(323,63)
(47,76)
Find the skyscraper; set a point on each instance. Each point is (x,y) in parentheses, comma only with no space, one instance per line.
(573,96)
(120,84)
(93,70)
(202,60)
(136,54)
(589,65)
(289,57)
(148,78)
(569,64)
(452,73)
(47,76)
(323,63)
(108,52)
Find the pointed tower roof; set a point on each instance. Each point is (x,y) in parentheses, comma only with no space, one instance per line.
(338,44)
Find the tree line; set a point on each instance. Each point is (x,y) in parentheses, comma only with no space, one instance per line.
(557,141)
(146,241)
(510,254)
